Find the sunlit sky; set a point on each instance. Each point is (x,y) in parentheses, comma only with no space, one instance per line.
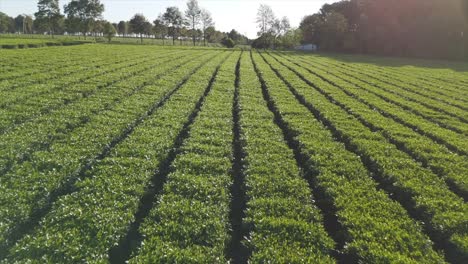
(227,14)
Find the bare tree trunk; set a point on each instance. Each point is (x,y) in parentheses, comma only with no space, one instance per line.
(193,30)
(204,36)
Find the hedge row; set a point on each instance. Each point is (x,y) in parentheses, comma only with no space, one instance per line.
(39,45)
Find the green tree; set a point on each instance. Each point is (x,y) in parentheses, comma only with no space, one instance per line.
(212,35)
(86,12)
(138,25)
(5,23)
(48,16)
(310,27)
(279,28)
(98,27)
(28,25)
(122,28)
(160,28)
(19,23)
(228,42)
(109,31)
(206,22)
(192,17)
(332,31)
(183,33)
(291,38)
(265,19)
(72,25)
(173,19)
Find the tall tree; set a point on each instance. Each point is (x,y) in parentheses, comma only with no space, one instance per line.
(310,27)
(332,31)
(5,23)
(160,28)
(291,38)
(122,28)
(19,23)
(86,12)
(193,16)
(98,27)
(148,29)
(265,19)
(419,28)
(138,25)
(73,25)
(94,9)
(173,19)
(279,28)
(183,33)
(206,22)
(109,31)
(48,15)
(212,35)
(28,25)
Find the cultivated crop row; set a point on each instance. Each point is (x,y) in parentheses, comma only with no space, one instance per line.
(282,221)
(369,225)
(45,99)
(454,141)
(165,155)
(108,201)
(423,193)
(30,187)
(427,108)
(25,87)
(190,219)
(399,85)
(38,134)
(20,65)
(440,159)
(433,73)
(453,80)
(434,90)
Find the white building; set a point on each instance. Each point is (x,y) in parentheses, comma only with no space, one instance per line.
(307,47)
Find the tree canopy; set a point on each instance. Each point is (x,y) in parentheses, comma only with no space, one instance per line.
(82,14)
(173,19)
(48,15)
(192,17)
(138,24)
(421,28)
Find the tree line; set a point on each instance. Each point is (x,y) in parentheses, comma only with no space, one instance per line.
(415,28)
(84,18)
(274,32)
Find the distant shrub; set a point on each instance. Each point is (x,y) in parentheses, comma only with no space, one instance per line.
(10,46)
(228,42)
(35,45)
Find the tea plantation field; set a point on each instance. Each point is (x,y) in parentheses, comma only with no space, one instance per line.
(146,154)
